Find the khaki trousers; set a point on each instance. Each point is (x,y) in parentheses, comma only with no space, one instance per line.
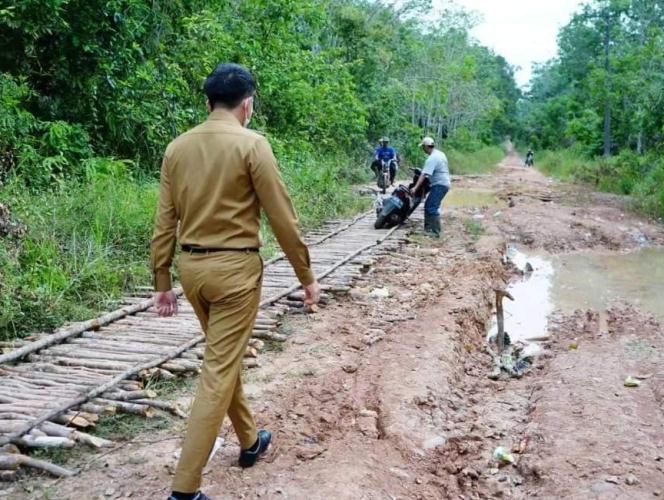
(224,288)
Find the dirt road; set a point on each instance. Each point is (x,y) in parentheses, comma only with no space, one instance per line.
(388,397)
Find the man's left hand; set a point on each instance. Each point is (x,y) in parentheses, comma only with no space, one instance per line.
(166,303)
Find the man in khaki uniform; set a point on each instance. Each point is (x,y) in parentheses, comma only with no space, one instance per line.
(215,179)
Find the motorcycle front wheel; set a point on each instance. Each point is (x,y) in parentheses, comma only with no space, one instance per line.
(380,221)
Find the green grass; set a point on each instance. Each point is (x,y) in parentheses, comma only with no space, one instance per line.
(474,228)
(641,177)
(563,165)
(482,161)
(88,242)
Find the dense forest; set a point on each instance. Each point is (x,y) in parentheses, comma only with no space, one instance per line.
(91,92)
(598,108)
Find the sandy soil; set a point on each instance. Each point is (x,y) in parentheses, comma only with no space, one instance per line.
(386,398)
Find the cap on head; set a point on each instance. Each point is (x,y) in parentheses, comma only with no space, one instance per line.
(384,139)
(428,141)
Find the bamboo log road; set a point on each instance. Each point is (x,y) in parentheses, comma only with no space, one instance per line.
(60,384)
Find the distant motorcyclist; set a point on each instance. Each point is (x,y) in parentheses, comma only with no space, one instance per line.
(385,152)
(530,158)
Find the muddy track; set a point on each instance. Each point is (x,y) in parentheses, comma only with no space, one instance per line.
(386,395)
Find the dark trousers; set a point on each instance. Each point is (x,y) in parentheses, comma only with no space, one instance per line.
(376,166)
(435,199)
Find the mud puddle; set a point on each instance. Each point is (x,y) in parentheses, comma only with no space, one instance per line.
(595,280)
(587,280)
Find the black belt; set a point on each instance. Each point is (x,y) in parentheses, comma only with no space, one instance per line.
(191,249)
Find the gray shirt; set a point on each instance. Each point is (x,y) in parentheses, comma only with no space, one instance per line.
(437,169)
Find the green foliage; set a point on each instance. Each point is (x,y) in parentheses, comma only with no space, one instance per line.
(642,177)
(482,161)
(92,91)
(603,96)
(474,228)
(610,64)
(83,248)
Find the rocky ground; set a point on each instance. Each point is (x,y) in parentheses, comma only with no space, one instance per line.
(385,397)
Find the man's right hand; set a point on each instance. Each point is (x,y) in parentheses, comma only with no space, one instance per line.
(312,294)
(166,303)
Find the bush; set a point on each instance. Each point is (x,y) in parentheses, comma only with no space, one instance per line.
(85,245)
(648,191)
(482,161)
(642,177)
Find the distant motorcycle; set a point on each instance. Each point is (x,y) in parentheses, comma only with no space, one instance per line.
(383,180)
(402,202)
(530,160)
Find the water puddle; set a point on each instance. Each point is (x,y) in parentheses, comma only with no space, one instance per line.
(589,280)
(470,197)
(595,280)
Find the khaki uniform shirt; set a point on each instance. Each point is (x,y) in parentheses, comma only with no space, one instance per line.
(214,180)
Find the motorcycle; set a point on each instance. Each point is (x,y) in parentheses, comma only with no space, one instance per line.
(383,180)
(402,202)
(530,160)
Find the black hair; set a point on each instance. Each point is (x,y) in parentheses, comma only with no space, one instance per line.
(228,85)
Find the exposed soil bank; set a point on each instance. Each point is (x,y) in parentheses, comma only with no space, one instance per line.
(389,397)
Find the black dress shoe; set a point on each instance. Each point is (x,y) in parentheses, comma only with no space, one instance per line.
(249,457)
(198,496)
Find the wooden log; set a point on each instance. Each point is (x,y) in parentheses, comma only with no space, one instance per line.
(86,363)
(81,420)
(121,337)
(101,354)
(96,409)
(131,385)
(77,329)
(278,337)
(500,318)
(130,408)
(257,344)
(173,408)
(156,374)
(9,426)
(129,395)
(115,347)
(48,415)
(28,441)
(8,476)
(182,366)
(250,363)
(80,437)
(13,416)
(12,461)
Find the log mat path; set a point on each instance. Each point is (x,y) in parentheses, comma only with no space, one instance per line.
(56,386)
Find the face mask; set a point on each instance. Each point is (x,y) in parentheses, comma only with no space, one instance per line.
(248,111)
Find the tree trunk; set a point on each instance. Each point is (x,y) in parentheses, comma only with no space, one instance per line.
(607,98)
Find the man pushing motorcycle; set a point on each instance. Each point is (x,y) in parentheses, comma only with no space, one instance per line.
(385,153)
(437,171)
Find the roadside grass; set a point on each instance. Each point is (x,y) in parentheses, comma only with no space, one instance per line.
(87,243)
(482,161)
(474,228)
(641,177)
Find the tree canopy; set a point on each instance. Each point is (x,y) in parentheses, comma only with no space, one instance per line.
(84,79)
(605,91)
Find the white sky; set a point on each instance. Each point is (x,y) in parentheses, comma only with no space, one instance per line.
(522,31)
